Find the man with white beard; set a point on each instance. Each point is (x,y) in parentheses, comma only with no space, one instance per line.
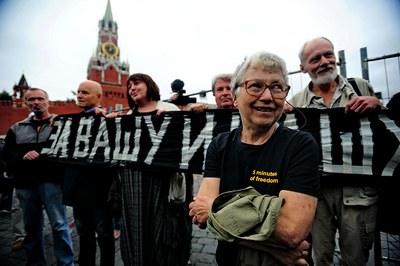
(345,205)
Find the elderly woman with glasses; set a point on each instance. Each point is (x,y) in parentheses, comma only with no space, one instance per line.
(278,162)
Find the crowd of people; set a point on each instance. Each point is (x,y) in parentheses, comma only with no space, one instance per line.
(302,207)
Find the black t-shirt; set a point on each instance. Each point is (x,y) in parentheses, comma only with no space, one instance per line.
(288,160)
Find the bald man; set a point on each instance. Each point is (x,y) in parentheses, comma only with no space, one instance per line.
(89,96)
(86,189)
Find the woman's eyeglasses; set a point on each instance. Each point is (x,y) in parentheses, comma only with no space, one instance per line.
(257,87)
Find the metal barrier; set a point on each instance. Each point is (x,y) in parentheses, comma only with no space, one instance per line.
(366,73)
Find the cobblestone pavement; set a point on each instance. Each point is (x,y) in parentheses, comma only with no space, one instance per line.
(203,245)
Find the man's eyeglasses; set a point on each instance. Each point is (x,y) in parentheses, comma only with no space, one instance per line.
(256,87)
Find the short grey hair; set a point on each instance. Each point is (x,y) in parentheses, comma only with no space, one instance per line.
(262,58)
(301,53)
(36,89)
(225,77)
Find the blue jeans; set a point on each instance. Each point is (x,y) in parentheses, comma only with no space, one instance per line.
(49,196)
(17,219)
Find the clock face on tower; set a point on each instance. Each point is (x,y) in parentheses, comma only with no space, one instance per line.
(109,49)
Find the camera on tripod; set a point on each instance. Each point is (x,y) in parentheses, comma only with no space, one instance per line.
(177,87)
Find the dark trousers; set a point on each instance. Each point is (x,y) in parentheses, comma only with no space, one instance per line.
(91,220)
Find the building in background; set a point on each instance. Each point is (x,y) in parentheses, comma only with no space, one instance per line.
(105,67)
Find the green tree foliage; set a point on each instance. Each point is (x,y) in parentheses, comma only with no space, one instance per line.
(5,96)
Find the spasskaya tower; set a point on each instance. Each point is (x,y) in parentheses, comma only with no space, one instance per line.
(105,65)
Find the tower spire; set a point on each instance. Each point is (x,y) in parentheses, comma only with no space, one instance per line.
(108,15)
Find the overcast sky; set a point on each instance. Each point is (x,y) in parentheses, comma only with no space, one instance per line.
(51,41)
